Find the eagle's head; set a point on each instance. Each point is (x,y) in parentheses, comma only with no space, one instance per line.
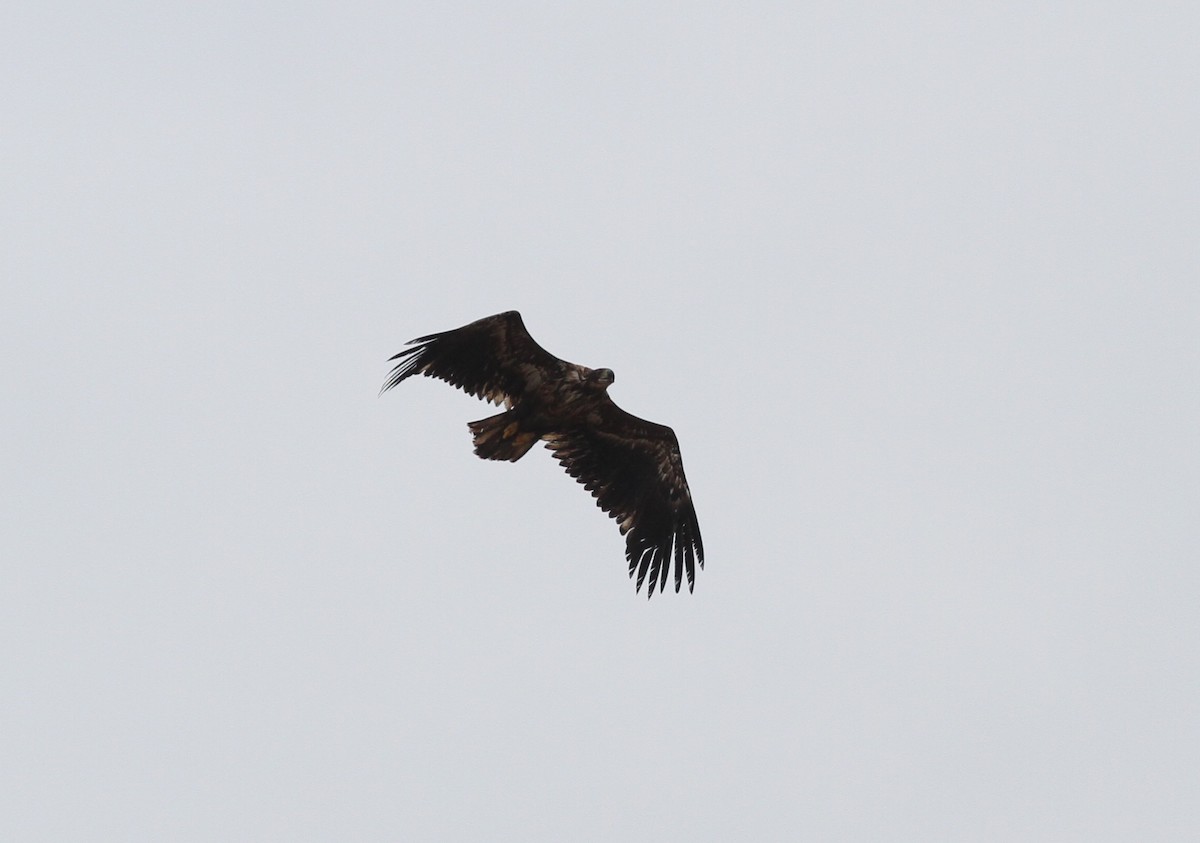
(602,378)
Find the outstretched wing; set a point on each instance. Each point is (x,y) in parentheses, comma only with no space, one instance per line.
(489,358)
(633,469)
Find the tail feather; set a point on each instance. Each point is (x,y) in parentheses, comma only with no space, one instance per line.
(500,438)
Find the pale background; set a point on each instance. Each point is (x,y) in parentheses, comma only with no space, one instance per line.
(916,285)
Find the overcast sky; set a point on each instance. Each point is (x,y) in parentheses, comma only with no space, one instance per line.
(916,286)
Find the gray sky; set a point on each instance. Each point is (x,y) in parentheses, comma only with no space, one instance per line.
(916,287)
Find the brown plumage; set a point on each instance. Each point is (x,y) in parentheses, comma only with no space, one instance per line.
(631,466)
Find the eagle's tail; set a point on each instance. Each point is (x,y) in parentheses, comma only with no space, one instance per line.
(501,438)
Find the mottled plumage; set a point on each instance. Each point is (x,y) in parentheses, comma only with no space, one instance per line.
(631,466)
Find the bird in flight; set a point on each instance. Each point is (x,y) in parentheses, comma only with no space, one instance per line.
(631,466)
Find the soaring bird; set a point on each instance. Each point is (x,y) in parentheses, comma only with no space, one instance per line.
(631,466)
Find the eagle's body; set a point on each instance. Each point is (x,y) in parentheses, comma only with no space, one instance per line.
(631,466)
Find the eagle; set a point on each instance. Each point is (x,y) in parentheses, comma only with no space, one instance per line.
(631,466)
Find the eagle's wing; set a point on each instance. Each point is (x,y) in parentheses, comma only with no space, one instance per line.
(633,469)
(489,358)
